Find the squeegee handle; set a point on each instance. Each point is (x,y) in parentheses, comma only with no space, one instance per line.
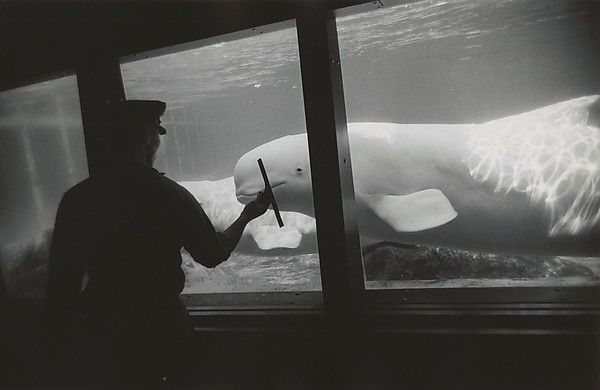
(269,192)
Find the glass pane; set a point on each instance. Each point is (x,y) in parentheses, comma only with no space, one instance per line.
(224,100)
(42,154)
(475,142)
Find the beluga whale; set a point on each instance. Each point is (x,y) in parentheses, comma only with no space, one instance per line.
(522,184)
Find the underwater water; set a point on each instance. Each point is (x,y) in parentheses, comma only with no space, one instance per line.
(42,154)
(514,84)
(224,99)
(454,63)
(427,62)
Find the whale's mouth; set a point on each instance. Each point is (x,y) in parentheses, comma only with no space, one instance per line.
(246,196)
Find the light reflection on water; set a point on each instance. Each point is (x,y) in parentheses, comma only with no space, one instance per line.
(551,154)
(264,60)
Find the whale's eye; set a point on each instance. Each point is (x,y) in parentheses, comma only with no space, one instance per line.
(298,170)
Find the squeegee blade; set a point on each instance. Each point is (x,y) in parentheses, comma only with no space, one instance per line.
(269,192)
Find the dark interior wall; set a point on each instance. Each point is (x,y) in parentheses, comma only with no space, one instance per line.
(391,361)
(361,357)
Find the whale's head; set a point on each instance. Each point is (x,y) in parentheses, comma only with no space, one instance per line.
(287,164)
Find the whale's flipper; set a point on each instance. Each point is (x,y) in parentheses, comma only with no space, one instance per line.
(272,236)
(414,212)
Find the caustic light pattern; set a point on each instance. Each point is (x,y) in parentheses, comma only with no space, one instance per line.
(551,154)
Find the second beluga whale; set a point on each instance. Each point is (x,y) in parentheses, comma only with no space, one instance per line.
(526,183)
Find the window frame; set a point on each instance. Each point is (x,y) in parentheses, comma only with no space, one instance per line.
(300,300)
(475,299)
(101,81)
(29,82)
(72,71)
(319,25)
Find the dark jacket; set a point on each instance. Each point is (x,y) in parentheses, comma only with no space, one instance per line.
(127,229)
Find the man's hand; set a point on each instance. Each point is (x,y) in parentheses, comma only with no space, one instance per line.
(231,237)
(257,207)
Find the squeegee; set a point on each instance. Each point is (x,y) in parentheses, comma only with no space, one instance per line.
(269,192)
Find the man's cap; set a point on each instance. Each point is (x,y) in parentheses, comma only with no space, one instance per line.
(138,111)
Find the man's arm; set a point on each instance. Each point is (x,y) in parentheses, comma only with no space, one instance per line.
(232,235)
(208,247)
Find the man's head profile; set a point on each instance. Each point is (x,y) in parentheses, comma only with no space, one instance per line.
(135,130)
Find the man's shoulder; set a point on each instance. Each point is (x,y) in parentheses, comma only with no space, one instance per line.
(93,187)
(166,180)
(79,188)
(77,195)
(171,183)
(183,194)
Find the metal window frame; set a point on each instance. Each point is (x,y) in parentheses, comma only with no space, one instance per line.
(339,248)
(29,82)
(99,83)
(204,42)
(478,299)
(337,228)
(41,79)
(301,301)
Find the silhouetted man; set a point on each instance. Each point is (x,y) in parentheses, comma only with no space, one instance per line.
(126,226)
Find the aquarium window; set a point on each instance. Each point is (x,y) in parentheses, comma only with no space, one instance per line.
(42,154)
(474,131)
(225,98)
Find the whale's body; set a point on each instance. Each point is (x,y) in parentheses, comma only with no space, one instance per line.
(527,183)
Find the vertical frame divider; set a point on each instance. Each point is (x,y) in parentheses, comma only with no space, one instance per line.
(331,169)
(99,84)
